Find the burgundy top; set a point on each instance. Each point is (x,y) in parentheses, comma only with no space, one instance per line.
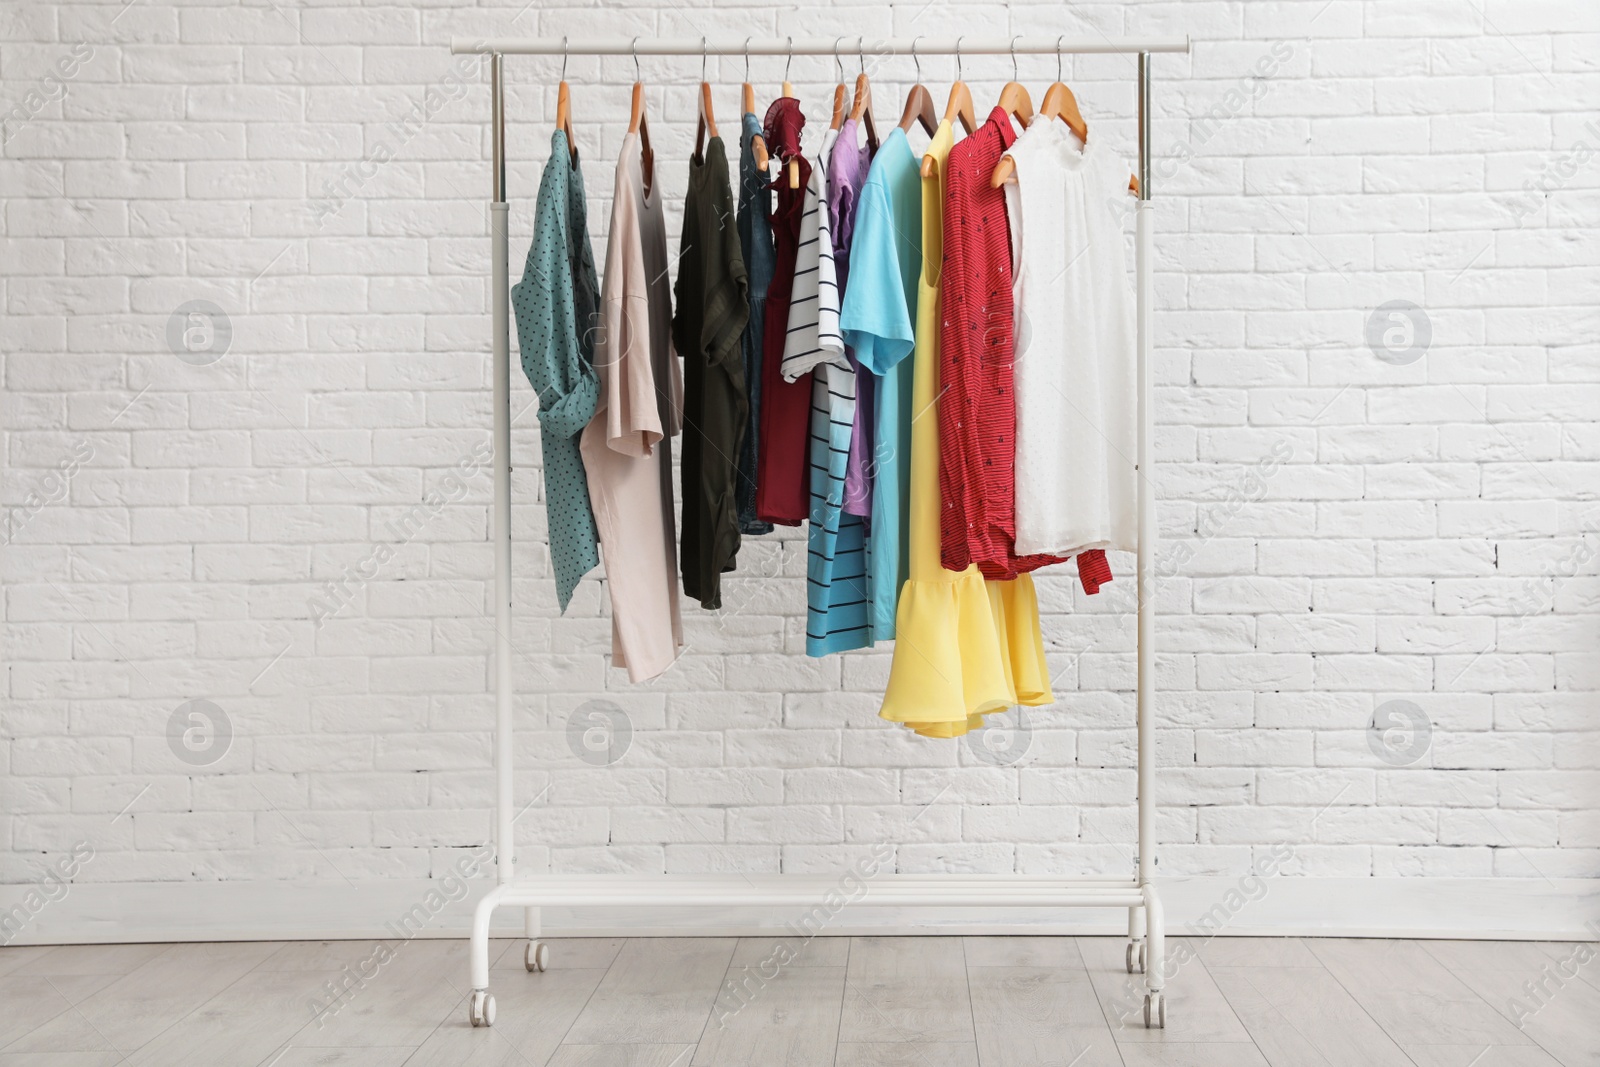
(977,411)
(782,494)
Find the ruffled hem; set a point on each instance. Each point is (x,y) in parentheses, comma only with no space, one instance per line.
(965,648)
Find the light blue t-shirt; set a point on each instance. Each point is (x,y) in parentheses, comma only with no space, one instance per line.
(878,321)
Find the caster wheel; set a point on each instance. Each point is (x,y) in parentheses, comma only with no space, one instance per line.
(536,956)
(1155,1011)
(480,1009)
(1135,957)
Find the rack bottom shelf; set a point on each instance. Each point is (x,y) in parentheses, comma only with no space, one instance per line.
(1146,927)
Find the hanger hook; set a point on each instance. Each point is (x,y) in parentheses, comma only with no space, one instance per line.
(634,48)
(747,59)
(958,57)
(1014,74)
(790,62)
(917,58)
(861,54)
(702,59)
(1058,56)
(564,55)
(838,65)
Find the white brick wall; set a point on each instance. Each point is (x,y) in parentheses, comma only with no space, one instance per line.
(1340,530)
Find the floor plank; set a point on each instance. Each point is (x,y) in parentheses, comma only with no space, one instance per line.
(660,990)
(14,956)
(906,1054)
(1564,1019)
(317,955)
(34,1001)
(1027,1016)
(1059,952)
(843,1002)
(1414,997)
(788,1020)
(1500,955)
(247,1022)
(1196,1008)
(798,951)
(907,989)
(334,955)
(670,1055)
(533,1013)
(91,959)
(133,1008)
(1480,1056)
(1251,951)
(340,1057)
(400,999)
(1303,1017)
(1193,1054)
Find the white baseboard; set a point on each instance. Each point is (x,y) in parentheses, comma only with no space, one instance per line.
(1492,908)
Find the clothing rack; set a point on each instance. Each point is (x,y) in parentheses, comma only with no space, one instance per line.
(1146,928)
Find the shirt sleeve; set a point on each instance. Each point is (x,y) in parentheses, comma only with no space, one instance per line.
(543,298)
(813,336)
(829,337)
(875,319)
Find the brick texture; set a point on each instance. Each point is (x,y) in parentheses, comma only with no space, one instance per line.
(286,517)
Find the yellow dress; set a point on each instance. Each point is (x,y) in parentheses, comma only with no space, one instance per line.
(964,647)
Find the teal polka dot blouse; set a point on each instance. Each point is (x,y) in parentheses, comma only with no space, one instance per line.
(555,305)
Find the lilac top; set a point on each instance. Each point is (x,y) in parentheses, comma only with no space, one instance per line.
(847,171)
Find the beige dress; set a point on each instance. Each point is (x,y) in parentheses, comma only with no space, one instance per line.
(627,446)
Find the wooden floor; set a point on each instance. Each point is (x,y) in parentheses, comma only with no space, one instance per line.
(843,1002)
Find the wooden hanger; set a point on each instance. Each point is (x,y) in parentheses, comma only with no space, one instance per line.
(788,90)
(639,125)
(840,92)
(564,119)
(1059,103)
(960,105)
(708,119)
(564,106)
(919,108)
(861,109)
(758,143)
(919,102)
(959,108)
(1014,99)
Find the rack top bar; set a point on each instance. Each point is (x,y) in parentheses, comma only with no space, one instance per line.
(815,46)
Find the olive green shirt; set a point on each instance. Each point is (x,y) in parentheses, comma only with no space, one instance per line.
(712,309)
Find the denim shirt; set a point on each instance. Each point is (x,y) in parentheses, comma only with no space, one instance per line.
(755,242)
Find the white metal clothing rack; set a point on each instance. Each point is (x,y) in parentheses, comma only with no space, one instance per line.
(1145,951)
